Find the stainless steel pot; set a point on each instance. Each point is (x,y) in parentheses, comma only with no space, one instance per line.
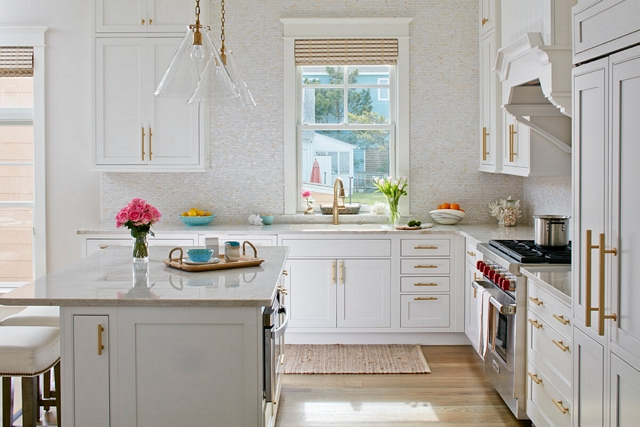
(551,230)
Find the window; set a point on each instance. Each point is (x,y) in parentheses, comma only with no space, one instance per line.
(346,114)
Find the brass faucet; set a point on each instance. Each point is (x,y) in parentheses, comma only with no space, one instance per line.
(338,193)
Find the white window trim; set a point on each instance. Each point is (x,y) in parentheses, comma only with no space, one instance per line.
(35,36)
(380,98)
(299,28)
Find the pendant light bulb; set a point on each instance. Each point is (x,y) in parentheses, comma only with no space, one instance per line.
(197,53)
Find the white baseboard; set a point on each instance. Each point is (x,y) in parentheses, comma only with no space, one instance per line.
(292,337)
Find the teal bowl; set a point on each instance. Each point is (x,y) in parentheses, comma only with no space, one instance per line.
(267,219)
(200,254)
(197,220)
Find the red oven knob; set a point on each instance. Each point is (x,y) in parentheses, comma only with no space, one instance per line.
(504,283)
(486,270)
(480,265)
(492,275)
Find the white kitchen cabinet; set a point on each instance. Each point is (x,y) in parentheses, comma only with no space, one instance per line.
(471,314)
(95,243)
(136,131)
(312,293)
(256,239)
(607,103)
(490,132)
(589,381)
(147,16)
(489,15)
(425,311)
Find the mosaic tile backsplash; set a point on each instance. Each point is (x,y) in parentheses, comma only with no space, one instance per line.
(247,143)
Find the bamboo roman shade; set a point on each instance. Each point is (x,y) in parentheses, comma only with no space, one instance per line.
(16,61)
(346,51)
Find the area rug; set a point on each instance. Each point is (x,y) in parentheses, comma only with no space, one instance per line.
(355,359)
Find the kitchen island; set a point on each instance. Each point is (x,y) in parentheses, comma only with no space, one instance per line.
(179,349)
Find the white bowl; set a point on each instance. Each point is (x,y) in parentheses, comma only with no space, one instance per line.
(447,216)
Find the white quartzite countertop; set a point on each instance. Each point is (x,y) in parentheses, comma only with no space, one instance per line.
(555,279)
(106,279)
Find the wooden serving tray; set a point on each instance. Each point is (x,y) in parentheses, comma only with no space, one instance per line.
(244,261)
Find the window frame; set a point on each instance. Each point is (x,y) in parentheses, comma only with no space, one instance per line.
(310,28)
(380,98)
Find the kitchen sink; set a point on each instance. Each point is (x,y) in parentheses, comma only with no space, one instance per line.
(340,227)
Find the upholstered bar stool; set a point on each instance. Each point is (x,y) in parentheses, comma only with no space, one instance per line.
(27,352)
(8,310)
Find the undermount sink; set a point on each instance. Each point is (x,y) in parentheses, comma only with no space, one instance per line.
(341,227)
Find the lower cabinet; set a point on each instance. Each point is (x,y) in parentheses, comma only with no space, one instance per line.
(96,243)
(471,313)
(425,311)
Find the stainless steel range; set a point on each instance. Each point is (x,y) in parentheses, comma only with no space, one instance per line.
(506,359)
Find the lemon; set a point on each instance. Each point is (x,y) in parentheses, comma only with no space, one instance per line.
(192,212)
(185,214)
(207,213)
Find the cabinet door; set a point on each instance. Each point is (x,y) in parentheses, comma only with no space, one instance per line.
(174,128)
(515,149)
(312,293)
(174,15)
(588,379)
(471,320)
(120,124)
(625,393)
(590,111)
(364,290)
(141,16)
(490,118)
(488,15)
(625,128)
(91,370)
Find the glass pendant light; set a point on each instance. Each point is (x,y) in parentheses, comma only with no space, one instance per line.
(195,58)
(206,88)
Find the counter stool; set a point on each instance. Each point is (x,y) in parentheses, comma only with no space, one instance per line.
(28,351)
(8,310)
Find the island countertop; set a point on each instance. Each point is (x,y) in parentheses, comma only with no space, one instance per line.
(106,279)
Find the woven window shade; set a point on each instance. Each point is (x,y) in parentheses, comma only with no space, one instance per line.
(346,51)
(16,61)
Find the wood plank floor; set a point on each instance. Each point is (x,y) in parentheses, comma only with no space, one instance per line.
(456,393)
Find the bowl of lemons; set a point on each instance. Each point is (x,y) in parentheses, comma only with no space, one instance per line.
(195,216)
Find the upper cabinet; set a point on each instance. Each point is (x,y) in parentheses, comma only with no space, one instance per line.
(490,131)
(604,26)
(488,15)
(146,16)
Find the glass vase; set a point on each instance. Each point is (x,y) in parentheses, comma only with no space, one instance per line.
(140,247)
(394,214)
(510,214)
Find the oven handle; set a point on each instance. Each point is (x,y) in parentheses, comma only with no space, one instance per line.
(276,334)
(502,308)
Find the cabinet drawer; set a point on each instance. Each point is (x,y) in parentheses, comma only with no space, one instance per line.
(337,248)
(420,311)
(551,346)
(424,284)
(550,309)
(541,397)
(425,247)
(472,253)
(424,266)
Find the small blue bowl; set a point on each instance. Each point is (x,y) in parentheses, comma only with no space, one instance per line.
(197,220)
(267,219)
(200,254)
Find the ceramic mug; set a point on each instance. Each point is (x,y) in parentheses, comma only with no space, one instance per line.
(231,251)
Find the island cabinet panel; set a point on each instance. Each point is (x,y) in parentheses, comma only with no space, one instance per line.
(91,349)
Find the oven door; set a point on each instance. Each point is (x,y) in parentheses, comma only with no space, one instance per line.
(276,321)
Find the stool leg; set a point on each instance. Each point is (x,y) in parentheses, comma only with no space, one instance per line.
(56,377)
(46,385)
(30,407)
(7,402)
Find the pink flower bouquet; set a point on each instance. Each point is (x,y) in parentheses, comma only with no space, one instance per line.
(138,216)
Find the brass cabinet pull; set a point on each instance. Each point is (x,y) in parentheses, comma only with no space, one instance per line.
(425,284)
(104,247)
(476,278)
(150,143)
(285,273)
(561,345)
(536,301)
(425,266)
(600,308)
(341,273)
(142,143)
(333,273)
(100,346)
(142,22)
(601,315)
(484,141)
(475,292)
(150,21)
(535,323)
(512,152)
(588,258)
(425,247)
(473,254)
(559,405)
(484,21)
(535,378)
(283,290)
(425,299)
(561,319)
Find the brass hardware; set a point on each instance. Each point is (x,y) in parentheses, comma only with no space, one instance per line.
(484,21)
(558,404)
(333,273)
(223,56)
(150,21)
(100,346)
(425,284)
(475,292)
(104,247)
(150,143)
(535,323)
(341,273)
(536,301)
(476,278)
(425,266)
(561,345)
(484,142)
(588,307)
(561,319)
(142,22)
(425,299)
(425,247)
(143,144)
(601,315)
(512,152)
(535,378)
(338,193)
(473,254)
(285,273)
(283,291)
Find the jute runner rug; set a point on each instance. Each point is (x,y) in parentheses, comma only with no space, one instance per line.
(355,359)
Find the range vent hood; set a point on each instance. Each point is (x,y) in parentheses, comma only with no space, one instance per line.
(536,86)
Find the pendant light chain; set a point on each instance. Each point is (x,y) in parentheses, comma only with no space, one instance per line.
(223,56)
(197,36)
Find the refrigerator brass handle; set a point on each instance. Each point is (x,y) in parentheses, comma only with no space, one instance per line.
(142,143)
(588,262)
(601,315)
(561,345)
(535,323)
(559,405)
(100,345)
(484,142)
(425,299)
(536,301)
(535,378)
(150,143)
(561,319)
